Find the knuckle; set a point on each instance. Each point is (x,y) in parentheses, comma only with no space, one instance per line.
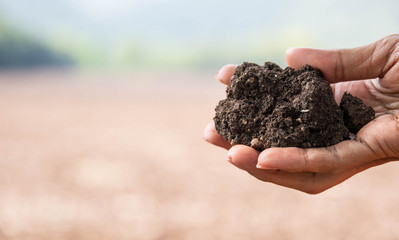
(393,38)
(320,160)
(385,53)
(339,68)
(305,157)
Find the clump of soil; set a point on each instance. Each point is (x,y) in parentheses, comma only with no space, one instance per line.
(356,113)
(267,106)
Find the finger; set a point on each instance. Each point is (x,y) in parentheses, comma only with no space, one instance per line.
(314,183)
(243,157)
(344,155)
(376,140)
(211,136)
(225,73)
(370,61)
(317,183)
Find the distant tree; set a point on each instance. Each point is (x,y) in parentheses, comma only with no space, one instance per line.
(17,50)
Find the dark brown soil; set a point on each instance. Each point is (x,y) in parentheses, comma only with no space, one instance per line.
(267,106)
(356,113)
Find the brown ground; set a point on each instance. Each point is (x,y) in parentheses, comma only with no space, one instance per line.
(101,156)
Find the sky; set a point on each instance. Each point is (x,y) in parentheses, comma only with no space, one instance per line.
(213,31)
(105,9)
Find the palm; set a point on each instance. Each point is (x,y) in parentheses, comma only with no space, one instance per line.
(372,94)
(384,130)
(314,170)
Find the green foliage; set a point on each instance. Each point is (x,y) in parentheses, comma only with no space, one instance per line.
(19,51)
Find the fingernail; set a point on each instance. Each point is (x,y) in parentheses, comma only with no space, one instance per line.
(217,77)
(229,159)
(260,166)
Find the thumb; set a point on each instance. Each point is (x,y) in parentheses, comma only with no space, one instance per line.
(377,140)
(370,61)
(344,155)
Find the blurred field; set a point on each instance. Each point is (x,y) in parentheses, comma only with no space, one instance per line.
(118,156)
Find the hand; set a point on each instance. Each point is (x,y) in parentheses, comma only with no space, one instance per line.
(313,170)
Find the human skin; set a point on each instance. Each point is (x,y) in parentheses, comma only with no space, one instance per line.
(313,170)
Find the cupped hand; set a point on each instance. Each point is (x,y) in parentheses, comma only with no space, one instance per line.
(371,73)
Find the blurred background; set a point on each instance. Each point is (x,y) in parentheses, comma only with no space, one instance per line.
(102,107)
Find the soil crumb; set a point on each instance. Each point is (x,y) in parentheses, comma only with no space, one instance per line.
(356,113)
(267,106)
